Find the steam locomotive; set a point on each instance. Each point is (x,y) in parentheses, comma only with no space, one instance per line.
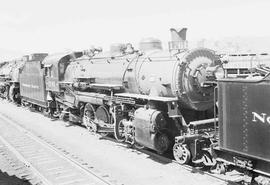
(151,97)
(9,79)
(143,97)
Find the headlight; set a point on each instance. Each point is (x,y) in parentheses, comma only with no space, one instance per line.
(219,73)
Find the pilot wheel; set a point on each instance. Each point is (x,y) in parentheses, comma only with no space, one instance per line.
(181,153)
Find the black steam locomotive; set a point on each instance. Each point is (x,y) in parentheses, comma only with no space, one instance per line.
(154,98)
(143,97)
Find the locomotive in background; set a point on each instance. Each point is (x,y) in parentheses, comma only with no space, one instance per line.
(10,76)
(9,79)
(241,65)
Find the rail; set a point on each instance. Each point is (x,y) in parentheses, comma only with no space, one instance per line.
(47,163)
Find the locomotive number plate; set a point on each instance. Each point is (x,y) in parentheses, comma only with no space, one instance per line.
(242,162)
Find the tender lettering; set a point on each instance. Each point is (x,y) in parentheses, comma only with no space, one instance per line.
(261,117)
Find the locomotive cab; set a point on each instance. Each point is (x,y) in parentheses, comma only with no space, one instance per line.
(55,67)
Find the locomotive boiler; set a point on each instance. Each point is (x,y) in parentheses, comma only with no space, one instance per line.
(145,97)
(156,73)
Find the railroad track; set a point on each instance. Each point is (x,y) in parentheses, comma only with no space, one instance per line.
(233,179)
(223,179)
(13,171)
(47,163)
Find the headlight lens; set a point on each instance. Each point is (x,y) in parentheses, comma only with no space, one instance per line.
(219,73)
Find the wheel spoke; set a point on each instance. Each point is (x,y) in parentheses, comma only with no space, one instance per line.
(119,130)
(89,117)
(181,153)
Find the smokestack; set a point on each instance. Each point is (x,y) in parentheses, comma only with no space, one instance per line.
(178,34)
(178,39)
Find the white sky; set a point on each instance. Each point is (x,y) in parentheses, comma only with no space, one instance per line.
(57,25)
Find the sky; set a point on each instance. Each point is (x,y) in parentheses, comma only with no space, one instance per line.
(28,26)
